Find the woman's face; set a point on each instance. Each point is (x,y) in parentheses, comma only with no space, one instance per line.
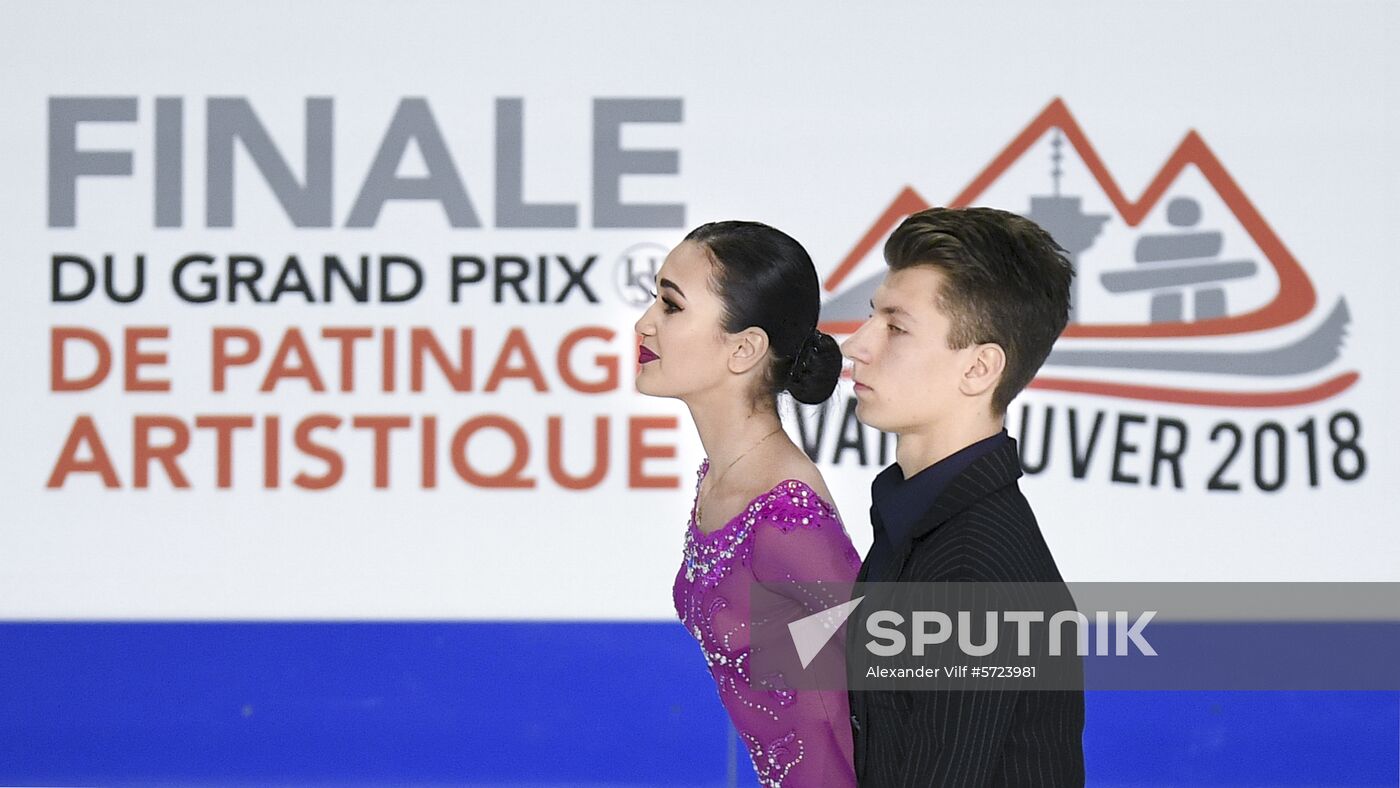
(684,349)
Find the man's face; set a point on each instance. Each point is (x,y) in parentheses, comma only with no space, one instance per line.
(907,378)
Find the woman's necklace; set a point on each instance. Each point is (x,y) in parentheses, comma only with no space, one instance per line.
(700,504)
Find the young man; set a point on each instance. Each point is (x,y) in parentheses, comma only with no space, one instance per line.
(973,301)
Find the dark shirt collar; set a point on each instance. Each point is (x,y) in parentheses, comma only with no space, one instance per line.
(901,503)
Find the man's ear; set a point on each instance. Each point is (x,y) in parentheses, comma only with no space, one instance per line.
(747,348)
(984,370)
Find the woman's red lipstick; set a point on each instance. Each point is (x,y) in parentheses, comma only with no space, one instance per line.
(644,355)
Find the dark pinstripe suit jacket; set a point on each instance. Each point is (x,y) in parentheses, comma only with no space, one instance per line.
(980,529)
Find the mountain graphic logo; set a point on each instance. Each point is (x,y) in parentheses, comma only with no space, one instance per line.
(1185,295)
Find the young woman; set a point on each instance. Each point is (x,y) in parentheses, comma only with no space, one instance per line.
(734,325)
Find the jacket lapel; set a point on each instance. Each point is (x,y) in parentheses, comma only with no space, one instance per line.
(986,475)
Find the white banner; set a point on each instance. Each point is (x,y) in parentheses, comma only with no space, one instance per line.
(328,313)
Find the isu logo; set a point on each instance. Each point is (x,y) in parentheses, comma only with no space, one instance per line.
(1185,295)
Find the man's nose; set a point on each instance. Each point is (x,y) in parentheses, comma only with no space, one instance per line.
(853,348)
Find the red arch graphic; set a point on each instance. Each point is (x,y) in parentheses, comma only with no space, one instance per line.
(1226,399)
(1295,298)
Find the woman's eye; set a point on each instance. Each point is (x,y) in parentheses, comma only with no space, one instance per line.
(671,307)
(894,329)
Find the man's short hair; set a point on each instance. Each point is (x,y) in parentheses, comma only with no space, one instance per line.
(1005,281)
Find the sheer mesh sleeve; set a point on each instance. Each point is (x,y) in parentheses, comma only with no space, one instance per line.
(795,737)
(799,539)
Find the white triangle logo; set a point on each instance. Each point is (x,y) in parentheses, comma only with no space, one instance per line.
(809,634)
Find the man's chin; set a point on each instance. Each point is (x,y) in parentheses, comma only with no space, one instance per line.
(868,416)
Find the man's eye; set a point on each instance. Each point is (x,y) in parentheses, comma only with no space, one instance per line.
(894,329)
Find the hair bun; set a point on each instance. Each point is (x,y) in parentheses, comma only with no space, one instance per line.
(815,369)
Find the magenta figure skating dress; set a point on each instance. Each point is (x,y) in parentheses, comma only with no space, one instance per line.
(796,738)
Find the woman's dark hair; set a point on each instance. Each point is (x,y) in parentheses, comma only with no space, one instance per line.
(765,279)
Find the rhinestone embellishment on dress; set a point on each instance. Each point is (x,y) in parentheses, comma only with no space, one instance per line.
(709,555)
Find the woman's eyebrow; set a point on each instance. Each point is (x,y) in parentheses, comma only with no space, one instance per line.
(672,285)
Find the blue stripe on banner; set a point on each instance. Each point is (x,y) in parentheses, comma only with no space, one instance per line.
(1252,655)
(536,703)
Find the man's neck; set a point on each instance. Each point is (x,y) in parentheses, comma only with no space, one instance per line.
(920,449)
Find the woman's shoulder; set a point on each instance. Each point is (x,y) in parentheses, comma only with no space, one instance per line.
(799,534)
(803,470)
(796,495)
